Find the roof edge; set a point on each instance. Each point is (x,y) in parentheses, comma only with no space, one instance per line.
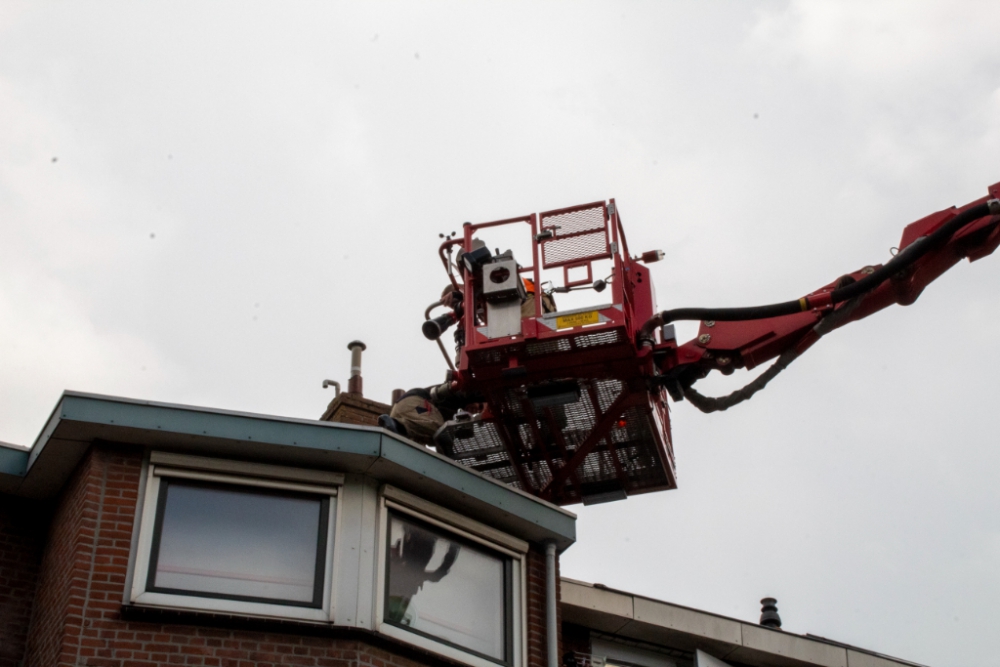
(80,418)
(598,606)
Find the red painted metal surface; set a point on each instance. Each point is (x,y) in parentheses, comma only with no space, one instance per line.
(749,343)
(612,433)
(575,405)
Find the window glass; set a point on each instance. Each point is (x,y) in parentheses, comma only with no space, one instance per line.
(239,542)
(448,588)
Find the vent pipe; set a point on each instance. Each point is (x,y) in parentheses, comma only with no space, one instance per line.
(769,613)
(551,627)
(354,383)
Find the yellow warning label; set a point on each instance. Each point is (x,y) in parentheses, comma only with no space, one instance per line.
(578,319)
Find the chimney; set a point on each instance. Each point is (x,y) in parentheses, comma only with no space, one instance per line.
(769,613)
(350,407)
(354,383)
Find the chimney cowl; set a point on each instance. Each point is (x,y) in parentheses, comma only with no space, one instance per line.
(769,613)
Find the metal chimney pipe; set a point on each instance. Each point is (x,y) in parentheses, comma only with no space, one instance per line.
(769,613)
(354,383)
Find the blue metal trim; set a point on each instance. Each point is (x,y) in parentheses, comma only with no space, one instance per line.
(46,433)
(455,476)
(228,426)
(306,434)
(13,461)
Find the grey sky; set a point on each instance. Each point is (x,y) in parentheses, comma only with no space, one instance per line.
(204,204)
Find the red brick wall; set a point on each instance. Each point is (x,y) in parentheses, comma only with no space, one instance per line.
(83,570)
(23,525)
(576,644)
(537,643)
(350,408)
(77,617)
(151,644)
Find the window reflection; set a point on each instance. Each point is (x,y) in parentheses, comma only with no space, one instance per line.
(447,588)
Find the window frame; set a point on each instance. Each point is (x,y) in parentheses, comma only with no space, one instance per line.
(479,536)
(266,479)
(321,541)
(609,652)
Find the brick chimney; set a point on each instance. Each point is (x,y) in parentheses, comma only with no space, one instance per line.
(351,407)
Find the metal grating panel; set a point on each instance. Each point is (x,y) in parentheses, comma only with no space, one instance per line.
(599,338)
(543,347)
(538,469)
(510,403)
(489,357)
(559,251)
(483,449)
(629,447)
(607,392)
(574,222)
(579,236)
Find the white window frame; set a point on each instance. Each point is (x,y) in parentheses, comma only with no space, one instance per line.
(251,475)
(505,545)
(607,652)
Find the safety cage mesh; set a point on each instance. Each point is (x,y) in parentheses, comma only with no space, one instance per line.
(542,439)
(579,235)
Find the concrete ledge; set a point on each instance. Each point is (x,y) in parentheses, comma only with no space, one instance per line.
(760,642)
(681,619)
(595,608)
(674,626)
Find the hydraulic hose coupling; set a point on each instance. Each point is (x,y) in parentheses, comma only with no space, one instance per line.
(819,302)
(646,337)
(433,328)
(994,206)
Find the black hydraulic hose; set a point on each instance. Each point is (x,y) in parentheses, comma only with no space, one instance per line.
(732,314)
(720,403)
(901,261)
(911,253)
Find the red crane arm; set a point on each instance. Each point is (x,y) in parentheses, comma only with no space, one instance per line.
(730,338)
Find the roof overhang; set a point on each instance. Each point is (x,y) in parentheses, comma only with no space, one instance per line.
(661,623)
(79,420)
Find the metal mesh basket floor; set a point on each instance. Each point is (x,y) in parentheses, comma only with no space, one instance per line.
(525,443)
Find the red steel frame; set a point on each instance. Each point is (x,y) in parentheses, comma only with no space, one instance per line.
(632,304)
(722,345)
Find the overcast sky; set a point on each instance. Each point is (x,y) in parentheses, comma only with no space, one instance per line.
(204,204)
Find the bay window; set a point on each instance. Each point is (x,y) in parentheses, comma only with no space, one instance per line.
(450,584)
(282,543)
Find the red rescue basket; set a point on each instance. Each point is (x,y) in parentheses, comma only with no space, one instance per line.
(570,414)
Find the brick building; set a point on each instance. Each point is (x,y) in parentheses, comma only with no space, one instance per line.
(135,534)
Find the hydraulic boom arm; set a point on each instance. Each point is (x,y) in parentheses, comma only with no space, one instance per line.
(571,404)
(732,338)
